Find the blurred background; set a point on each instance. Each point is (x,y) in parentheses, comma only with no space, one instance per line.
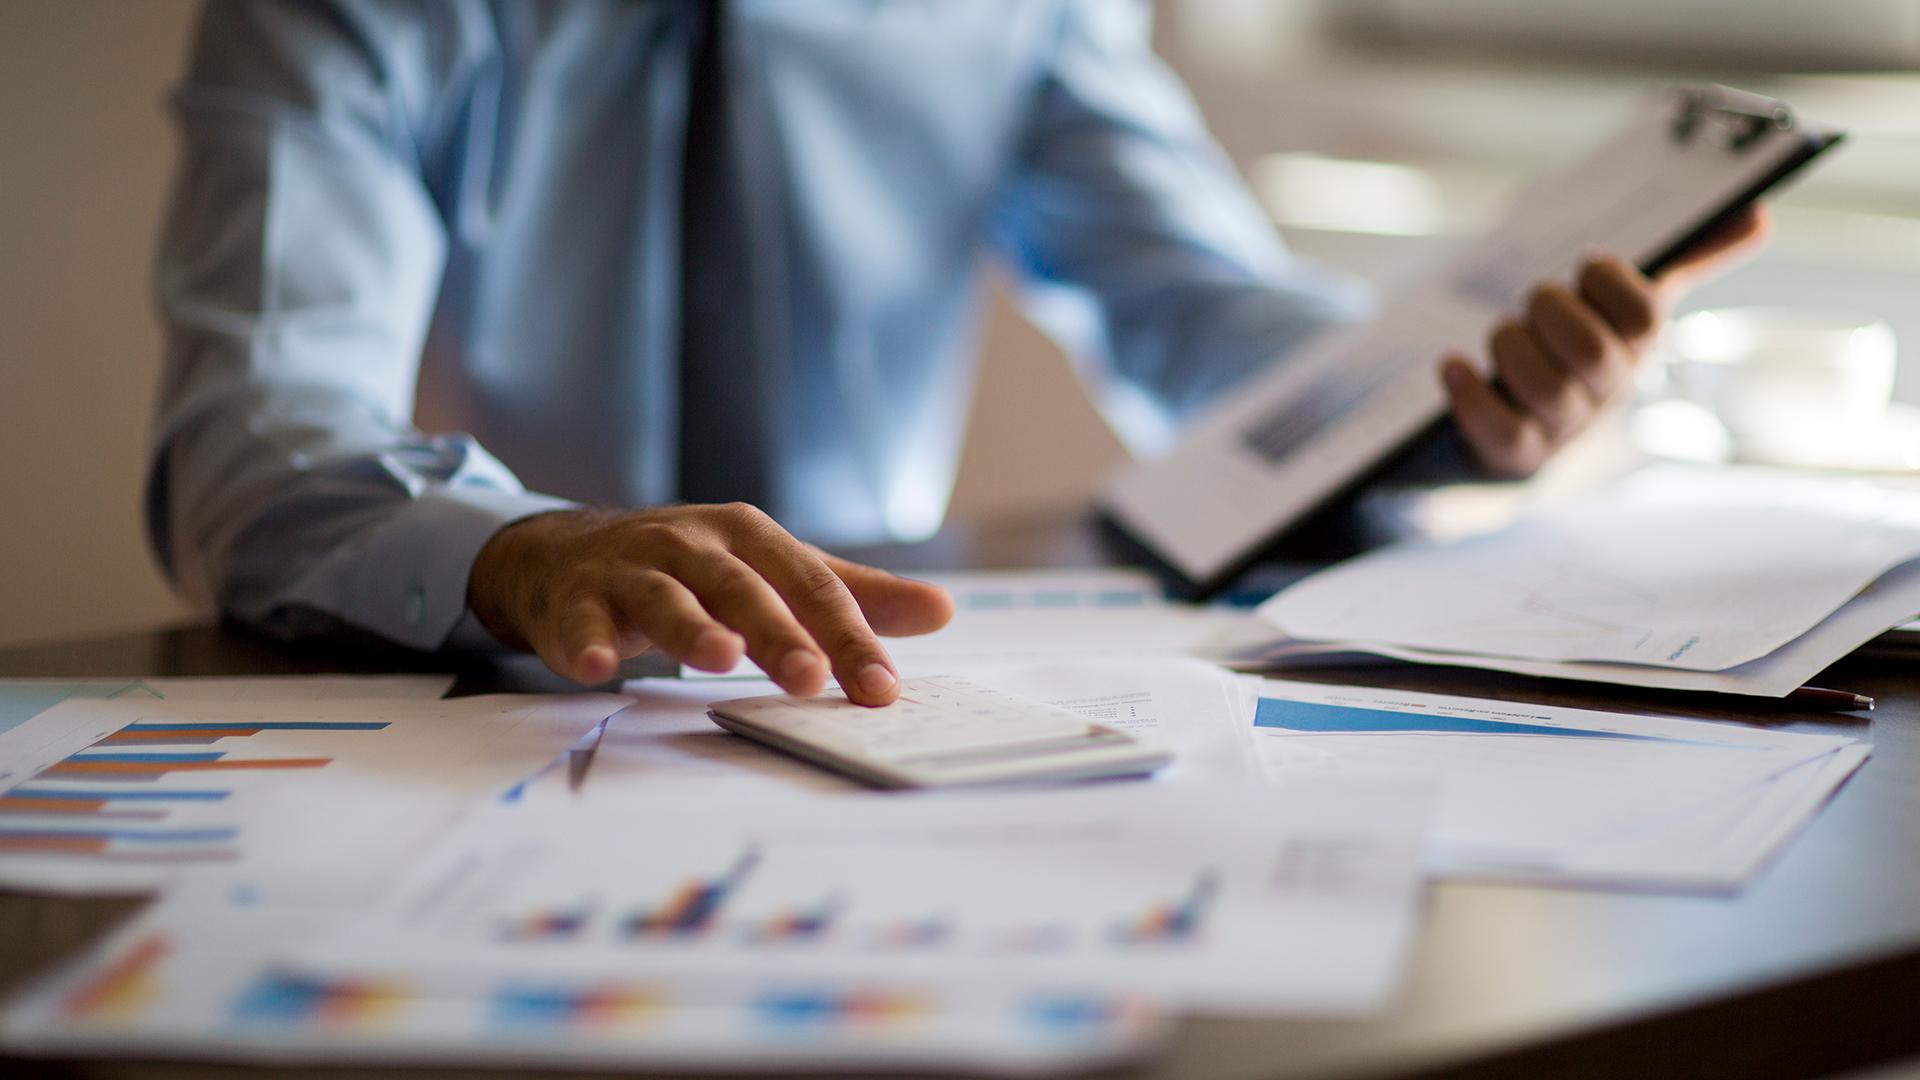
(1375,131)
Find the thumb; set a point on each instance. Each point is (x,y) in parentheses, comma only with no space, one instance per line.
(893,605)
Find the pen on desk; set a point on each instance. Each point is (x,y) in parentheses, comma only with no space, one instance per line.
(1837,700)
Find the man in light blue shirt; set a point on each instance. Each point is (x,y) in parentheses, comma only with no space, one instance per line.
(682,256)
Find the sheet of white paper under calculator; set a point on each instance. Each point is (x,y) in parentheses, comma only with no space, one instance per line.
(943,731)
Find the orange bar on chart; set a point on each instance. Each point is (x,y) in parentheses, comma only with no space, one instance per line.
(83,845)
(22,804)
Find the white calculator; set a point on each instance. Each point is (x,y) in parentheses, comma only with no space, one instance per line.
(942,732)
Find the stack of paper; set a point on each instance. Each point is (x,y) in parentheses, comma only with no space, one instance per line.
(1565,796)
(999,932)
(1733,583)
(356,876)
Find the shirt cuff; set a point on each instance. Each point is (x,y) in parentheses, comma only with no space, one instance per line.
(417,593)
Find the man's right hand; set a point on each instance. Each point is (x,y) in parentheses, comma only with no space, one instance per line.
(585,589)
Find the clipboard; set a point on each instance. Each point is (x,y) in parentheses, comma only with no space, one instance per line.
(1337,413)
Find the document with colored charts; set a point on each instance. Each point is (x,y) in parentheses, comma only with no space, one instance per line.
(1227,900)
(192,977)
(1565,796)
(314,799)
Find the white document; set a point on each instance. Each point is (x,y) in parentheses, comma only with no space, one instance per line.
(1195,708)
(1056,616)
(193,977)
(307,799)
(1656,572)
(1565,796)
(1305,428)
(23,699)
(1229,900)
(1860,620)
(666,740)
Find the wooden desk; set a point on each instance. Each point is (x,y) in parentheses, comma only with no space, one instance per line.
(1813,968)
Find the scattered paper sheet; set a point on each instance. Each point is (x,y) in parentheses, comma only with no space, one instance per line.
(1565,796)
(299,798)
(193,977)
(1226,900)
(1778,674)
(1653,573)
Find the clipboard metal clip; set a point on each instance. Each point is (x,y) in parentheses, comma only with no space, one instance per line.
(1740,117)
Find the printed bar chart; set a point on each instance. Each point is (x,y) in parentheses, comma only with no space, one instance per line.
(26,806)
(556,924)
(836,1008)
(168,845)
(153,766)
(1177,922)
(199,734)
(805,924)
(694,907)
(124,987)
(1321,718)
(567,1006)
(281,999)
(927,933)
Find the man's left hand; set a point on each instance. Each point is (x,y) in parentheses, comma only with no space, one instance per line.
(1572,352)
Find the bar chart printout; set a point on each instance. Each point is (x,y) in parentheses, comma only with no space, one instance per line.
(192,976)
(136,793)
(694,907)
(1130,891)
(110,800)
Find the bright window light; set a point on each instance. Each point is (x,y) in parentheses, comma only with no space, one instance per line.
(1308,191)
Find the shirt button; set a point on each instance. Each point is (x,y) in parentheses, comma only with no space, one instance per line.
(416,604)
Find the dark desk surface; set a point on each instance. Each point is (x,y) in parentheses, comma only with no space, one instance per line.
(1813,968)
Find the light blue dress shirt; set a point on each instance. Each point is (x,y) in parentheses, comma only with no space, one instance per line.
(398,216)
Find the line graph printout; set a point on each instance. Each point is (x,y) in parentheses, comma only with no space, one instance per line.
(305,798)
(1573,796)
(1651,574)
(1199,898)
(194,976)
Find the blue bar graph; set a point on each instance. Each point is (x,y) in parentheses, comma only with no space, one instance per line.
(1327,719)
(143,836)
(92,795)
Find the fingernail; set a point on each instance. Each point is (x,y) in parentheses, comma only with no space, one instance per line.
(798,663)
(875,680)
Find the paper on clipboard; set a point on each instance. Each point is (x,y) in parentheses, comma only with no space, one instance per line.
(1312,426)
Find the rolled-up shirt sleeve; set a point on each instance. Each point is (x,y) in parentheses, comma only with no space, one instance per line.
(296,279)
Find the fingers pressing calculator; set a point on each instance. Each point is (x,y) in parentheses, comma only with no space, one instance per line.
(942,732)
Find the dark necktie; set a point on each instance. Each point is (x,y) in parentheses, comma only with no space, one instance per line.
(722,449)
